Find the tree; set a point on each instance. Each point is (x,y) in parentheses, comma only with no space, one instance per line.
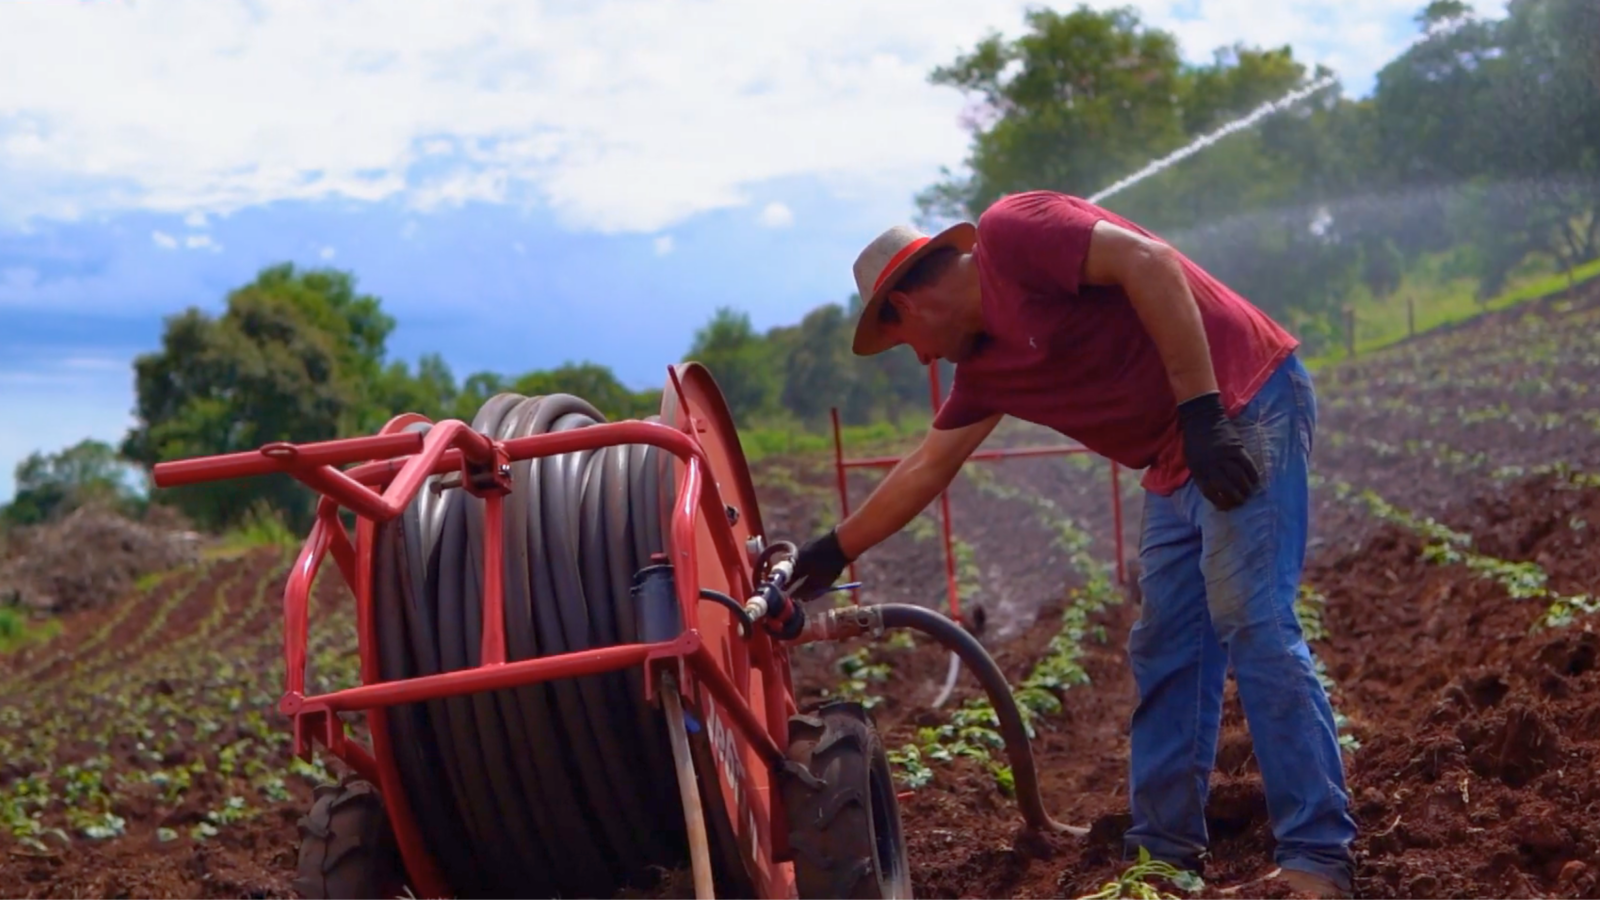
(742,363)
(431,392)
(594,383)
(1502,119)
(1083,99)
(817,373)
(50,486)
(1092,94)
(296,356)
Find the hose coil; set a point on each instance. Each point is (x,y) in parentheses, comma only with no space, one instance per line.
(562,788)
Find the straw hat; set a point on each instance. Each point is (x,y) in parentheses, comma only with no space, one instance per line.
(881,264)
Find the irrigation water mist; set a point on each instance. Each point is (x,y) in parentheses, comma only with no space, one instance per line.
(1204,141)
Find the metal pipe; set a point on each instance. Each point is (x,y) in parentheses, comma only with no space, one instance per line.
(1116,517)
(693,816)
(523,672)
(889,462)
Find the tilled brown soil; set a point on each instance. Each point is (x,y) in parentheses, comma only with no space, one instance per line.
(1476,731)
(1473,778)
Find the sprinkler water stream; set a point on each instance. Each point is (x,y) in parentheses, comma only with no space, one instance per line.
(1206,140)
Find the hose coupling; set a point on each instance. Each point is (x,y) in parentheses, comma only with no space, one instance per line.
(842,623)
(769,595)
(783,617)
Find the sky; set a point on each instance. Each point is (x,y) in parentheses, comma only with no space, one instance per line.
(484,167)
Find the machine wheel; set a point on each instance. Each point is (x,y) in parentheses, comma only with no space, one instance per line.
(844,817)
(346,847)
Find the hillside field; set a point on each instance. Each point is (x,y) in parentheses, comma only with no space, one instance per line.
(1448,599)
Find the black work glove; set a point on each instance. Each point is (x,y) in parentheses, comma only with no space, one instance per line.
(817,567)
(1222,470)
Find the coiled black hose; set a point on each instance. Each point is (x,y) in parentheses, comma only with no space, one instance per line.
(564,788)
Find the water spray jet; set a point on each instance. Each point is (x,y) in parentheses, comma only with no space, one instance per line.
(1204,141)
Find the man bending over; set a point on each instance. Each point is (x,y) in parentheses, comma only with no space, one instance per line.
(1063,314)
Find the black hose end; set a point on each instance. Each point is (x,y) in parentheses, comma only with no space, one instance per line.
(655,604)
(731,605)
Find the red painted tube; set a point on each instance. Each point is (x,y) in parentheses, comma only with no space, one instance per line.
(344,552)
(359,759)
(440,438)
(349,493)
(1116,515)
(844,490)
(492,646)
(889,462)
(952,593)
(683,522)
(296,599)
(277,457)
(709,670)
(484,678)
(303,460)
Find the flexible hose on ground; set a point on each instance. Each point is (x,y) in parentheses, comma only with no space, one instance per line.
(564,788)
(1018,749)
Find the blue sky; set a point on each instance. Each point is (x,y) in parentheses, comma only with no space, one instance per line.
(483,167)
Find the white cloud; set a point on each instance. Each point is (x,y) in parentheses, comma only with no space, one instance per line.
(164,240)
(622,115)
(775,215)
(663,245)
(327,252)
(196,220)
(202,242)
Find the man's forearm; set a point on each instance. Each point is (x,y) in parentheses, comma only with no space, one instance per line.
(908,489)
(1160,295)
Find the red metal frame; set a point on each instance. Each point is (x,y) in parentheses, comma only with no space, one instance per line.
(841,464)
(724,677)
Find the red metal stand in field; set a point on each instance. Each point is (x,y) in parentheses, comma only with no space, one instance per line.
(936,394)
(668,536)
(719,670)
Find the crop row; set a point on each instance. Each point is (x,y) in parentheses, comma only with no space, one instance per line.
(1308,609)
(972,730)
(1451,460)
(1535,339)
(187,735)
(1442,545)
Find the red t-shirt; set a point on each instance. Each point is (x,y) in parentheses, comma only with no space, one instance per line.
(1076,358)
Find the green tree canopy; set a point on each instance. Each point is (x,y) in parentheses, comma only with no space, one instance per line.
(296,356)
(51,485)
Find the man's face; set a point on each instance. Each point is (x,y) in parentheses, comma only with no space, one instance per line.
(931,322)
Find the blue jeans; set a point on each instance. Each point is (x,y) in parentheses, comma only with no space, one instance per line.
(1219,588)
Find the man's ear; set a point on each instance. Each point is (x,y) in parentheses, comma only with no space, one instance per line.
(900,302)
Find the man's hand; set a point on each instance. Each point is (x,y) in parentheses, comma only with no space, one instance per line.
(1222,470)
(817,567)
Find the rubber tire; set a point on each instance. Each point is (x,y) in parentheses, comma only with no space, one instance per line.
(844,817)
(347,850)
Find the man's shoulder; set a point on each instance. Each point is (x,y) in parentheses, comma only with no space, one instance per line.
(1037,238)
(1037,215)
(1023,202)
